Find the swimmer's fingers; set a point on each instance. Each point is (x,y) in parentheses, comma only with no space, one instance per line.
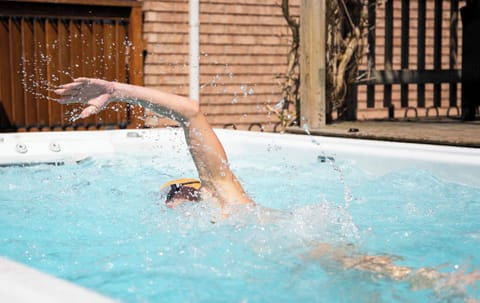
(69,93)
(69,99)
(69,86)
(95,105)
(71,96)
(83,90)
(88,111)
(65,92)
(92,82)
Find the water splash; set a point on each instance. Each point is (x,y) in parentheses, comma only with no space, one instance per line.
(221,81)
(213,82)
(279,106)
(348,195)
(40,79)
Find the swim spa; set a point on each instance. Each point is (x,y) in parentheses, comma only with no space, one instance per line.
(86,207)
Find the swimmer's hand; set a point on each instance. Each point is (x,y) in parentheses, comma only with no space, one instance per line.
(95,93)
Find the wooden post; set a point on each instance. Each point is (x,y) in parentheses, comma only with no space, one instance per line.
(313,105)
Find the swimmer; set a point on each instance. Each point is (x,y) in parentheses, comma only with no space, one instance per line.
(218,185)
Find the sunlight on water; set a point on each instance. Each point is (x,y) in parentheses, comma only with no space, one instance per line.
(103,224)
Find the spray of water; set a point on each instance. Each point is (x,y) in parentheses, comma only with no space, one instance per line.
(219,80)
(339,223)
(348,196)
(41,75)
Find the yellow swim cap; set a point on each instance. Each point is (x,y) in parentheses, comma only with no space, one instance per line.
(185,188)
(190,182)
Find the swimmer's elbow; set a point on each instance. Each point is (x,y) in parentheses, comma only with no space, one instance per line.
(192,111)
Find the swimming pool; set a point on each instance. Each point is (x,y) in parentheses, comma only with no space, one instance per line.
(90,212)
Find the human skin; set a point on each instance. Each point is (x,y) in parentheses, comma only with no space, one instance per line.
(383,266)
(219,185)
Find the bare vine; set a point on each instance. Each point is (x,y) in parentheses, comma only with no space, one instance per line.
(288,107)
(346,21)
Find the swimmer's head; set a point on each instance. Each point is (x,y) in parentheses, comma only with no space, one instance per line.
(181,190)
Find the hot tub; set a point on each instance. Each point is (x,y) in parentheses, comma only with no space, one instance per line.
(86,207)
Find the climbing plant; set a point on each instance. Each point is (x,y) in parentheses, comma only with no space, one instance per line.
(345,21)
(288,107)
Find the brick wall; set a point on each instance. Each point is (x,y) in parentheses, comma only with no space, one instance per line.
(243,50)
(244,46)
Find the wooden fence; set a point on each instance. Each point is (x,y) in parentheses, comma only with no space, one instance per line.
(46,44)
(413,62)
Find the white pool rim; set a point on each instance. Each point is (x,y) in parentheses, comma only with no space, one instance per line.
(456,164)
(21,284)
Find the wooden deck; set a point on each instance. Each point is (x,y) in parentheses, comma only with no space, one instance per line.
(444,132)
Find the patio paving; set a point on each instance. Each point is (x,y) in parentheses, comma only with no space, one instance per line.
(444,132)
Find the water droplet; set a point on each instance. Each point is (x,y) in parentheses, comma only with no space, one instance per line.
(306,128)
(109,266)
(280,104)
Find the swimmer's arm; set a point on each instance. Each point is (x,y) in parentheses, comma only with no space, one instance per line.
(211,161)
(97,93)
(205,147)
(207,151)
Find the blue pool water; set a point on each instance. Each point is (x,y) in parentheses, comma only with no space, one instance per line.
(101,224)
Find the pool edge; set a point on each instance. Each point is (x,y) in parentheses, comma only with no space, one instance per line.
(20,283)
(25,284)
